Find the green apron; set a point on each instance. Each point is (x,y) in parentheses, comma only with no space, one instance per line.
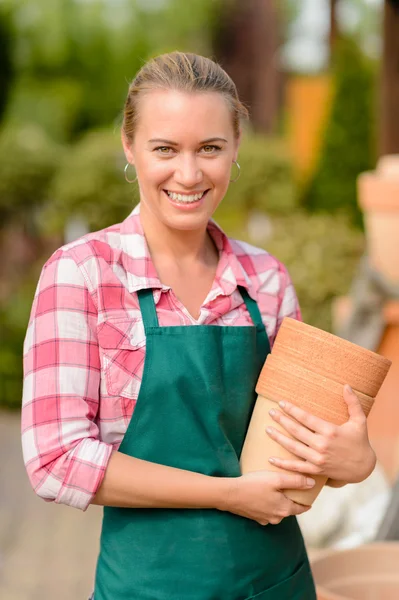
(193,411)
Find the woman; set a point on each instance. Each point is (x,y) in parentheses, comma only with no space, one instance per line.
(141,357)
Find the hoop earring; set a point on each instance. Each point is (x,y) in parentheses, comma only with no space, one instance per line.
(126,177)
(239,172)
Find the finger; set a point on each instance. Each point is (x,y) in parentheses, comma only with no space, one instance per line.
(285,481)
(298,431)
(305,418)
(297,466)
(298,448)
(355,409)
(299,509)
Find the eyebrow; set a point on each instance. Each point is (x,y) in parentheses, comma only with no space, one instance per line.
(208,141)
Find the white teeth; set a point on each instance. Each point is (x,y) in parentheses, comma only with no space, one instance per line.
(185,198)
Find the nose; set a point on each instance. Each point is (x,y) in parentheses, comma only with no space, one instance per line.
(188,172)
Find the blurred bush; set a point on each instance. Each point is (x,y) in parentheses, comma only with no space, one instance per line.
(266,177)
(28,161)
(321,252)
(53,105)
(14,315)
(349,139)
(6,63)
(90,184)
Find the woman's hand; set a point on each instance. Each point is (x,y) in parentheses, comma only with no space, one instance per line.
(258,496)
(339,452)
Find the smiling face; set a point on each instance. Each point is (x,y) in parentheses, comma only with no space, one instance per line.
(183,149)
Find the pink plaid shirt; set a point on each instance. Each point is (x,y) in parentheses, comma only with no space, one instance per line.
(85,345)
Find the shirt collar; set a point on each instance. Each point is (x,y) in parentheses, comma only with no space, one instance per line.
(140,269)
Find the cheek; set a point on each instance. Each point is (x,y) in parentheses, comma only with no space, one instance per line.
(153,174)
(219,172)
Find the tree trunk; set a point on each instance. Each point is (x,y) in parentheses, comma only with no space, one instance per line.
(389,131)
(247,47)
(333,34)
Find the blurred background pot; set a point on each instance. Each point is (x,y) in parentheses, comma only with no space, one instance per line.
(379,199)
(368,572)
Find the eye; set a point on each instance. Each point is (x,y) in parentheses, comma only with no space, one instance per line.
(165,150)
(211,149)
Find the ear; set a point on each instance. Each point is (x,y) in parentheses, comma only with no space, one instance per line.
(127,149)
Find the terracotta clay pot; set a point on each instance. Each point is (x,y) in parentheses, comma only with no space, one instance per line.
(379,199)
(367,572)
(331,356)
(319,395)
(287,375)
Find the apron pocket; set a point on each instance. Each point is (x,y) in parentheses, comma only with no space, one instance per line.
(299,586)
(122,344)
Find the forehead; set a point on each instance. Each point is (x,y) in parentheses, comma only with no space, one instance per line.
(168,113)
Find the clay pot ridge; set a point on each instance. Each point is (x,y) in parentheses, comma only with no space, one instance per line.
(310,391)
(331,356)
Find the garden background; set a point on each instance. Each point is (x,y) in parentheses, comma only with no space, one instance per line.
(65,68)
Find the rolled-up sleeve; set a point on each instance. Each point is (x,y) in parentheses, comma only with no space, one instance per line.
(64,457)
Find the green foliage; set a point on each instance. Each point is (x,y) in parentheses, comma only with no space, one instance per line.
(266,178)
(53,105)
(97,49)
(28,160)
(6,62)
(348,144)
(14,317)
(90,184)
(321,252)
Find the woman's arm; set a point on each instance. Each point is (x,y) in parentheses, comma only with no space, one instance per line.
(133,483)
(64,458)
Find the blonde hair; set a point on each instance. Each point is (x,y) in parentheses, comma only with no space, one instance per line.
(184,72)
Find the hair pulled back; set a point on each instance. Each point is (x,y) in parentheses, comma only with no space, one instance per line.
(184,72)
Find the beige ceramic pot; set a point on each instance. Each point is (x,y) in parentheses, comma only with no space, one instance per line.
(368,572)
(331,356)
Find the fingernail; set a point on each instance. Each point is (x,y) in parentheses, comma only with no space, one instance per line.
(272,412)
(282,404)
(310,482)
(348,388)
(272,461)
(269,430)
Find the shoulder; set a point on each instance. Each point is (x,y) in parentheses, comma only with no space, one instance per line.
(100,244)
(83,261)
(270,285)
(266,272)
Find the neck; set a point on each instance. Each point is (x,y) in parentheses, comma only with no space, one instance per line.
(177,246)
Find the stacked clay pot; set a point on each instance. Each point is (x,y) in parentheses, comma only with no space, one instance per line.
(308,367)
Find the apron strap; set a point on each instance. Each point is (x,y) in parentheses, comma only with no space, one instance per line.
(150,319)
(147,307)
(252,308)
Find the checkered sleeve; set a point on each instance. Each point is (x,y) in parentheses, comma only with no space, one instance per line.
(64,457)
